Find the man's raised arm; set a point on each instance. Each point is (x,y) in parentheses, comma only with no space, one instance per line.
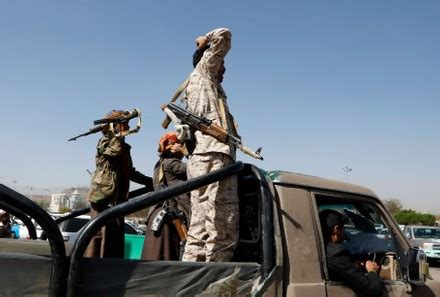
(219,41)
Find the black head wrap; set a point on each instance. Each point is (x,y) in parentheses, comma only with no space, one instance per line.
(329,220)
(198,54)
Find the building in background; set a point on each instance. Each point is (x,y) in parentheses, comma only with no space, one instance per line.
(71,199)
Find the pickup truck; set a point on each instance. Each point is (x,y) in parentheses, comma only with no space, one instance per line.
(280,251)
(427,238)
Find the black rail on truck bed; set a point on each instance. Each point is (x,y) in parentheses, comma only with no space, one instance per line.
(252,263)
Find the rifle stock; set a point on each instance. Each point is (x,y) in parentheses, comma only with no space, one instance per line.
(166,122)
(180,228)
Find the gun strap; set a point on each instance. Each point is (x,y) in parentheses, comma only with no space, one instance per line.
(180,90)
(161,175)
(227,121)
(221,108)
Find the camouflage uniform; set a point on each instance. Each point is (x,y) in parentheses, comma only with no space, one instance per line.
(110,186)
(213,231)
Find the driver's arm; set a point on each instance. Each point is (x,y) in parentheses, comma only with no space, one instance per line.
(368,283)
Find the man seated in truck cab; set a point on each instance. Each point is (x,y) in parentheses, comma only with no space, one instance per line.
(339,262)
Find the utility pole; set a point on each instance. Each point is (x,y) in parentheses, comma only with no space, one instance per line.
(44,198)
(347,171)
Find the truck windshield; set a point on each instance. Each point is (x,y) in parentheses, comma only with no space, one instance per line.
(427,233)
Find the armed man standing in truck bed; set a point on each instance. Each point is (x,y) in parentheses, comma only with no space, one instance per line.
(213,230)
(110,185)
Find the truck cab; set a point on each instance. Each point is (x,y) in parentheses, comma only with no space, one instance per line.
(281,249)
(370,232)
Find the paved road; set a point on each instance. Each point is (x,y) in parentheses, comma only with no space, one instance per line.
(434,284)
(435,272)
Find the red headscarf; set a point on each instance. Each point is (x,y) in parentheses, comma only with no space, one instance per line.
(166,142)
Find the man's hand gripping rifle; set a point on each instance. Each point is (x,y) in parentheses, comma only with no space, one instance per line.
(109,123)
(179,115)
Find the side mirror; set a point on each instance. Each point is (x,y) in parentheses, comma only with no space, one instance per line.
(418,267)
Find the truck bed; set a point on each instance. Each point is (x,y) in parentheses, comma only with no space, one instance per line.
(30,275)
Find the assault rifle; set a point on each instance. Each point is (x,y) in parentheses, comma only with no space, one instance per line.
(175,215)
(108,122)
(176,112)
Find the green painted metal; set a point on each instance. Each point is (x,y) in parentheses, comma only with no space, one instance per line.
(273,175)
(133,246)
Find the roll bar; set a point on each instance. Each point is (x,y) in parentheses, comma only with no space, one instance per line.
(153,198)
(58,277)
(266,218)
(22,216)
(133,205)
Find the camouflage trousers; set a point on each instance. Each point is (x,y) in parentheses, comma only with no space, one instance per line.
(213,230)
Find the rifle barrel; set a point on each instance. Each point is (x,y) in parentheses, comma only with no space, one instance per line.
(91,131)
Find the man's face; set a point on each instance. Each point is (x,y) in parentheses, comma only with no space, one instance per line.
(177,150)
(338,234)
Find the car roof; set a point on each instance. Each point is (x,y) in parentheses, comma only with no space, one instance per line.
(309,181)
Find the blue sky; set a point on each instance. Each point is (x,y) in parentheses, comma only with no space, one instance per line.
(319,84)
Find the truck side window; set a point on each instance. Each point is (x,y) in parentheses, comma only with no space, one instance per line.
(365,232)
(367,236)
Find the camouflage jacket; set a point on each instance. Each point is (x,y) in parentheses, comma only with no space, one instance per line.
(206,97)
(114,170)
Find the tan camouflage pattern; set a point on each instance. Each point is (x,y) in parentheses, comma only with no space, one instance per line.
(213,230)
(205,96)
